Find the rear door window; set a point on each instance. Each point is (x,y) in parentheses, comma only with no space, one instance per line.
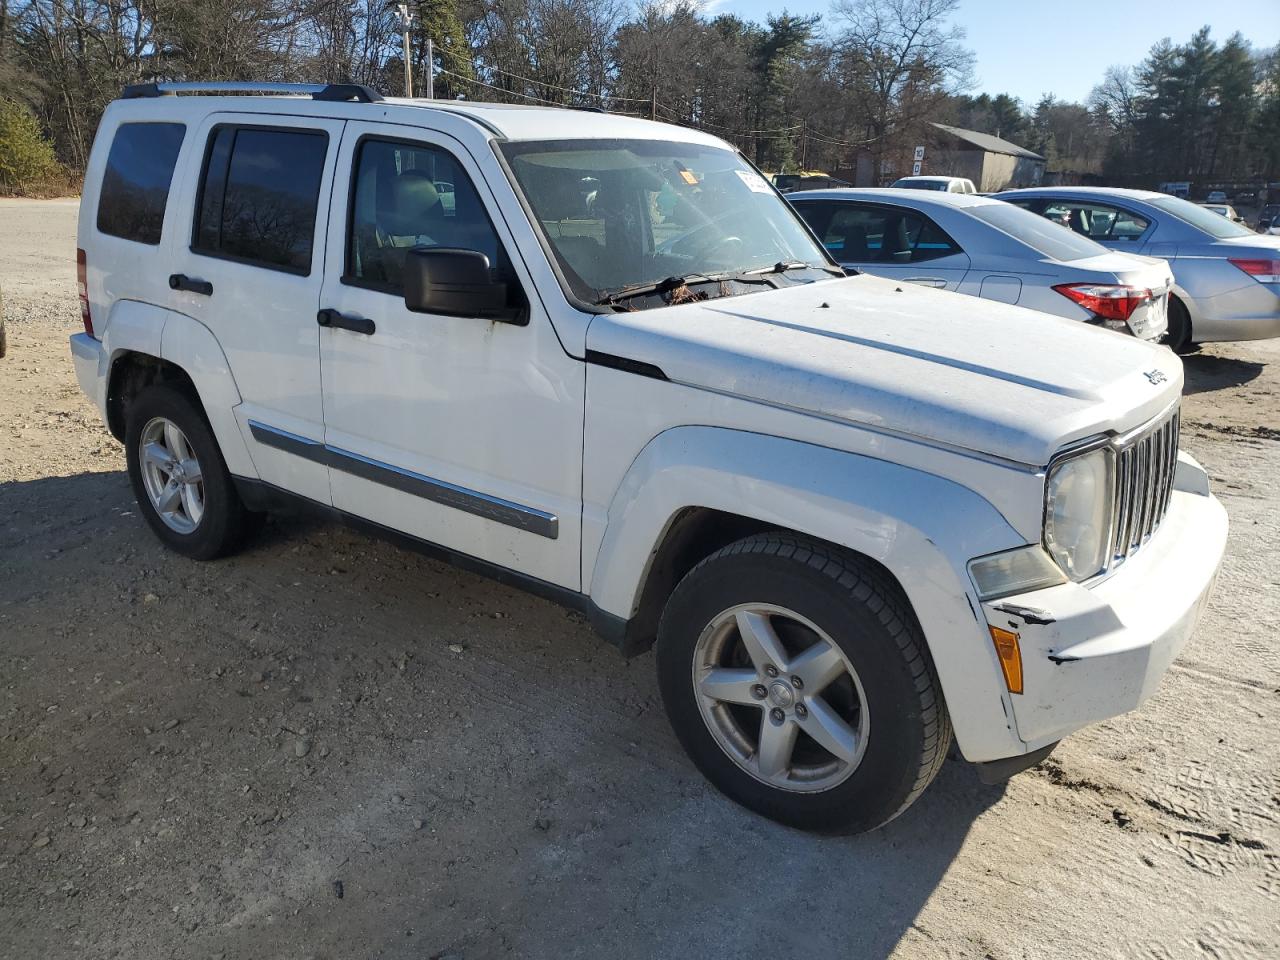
(1098,221)
(135,185)
(258,196)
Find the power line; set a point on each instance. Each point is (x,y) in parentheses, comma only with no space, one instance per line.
(511,93)
(768,133)
(542,83)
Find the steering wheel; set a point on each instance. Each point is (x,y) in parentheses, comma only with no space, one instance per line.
(693,245)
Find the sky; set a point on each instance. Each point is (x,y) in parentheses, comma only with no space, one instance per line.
(1031,47)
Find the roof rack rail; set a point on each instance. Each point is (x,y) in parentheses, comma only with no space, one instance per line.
(334,92)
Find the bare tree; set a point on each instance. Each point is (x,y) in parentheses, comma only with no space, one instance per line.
(903,59)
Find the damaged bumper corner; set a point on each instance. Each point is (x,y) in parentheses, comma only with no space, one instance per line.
(1097,651)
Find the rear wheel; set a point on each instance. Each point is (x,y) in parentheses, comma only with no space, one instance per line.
(179,478)
(798,682)
(1178,338)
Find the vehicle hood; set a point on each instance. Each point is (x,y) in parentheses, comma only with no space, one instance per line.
(908,360)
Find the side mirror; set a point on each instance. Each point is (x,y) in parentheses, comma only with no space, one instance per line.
(456,283)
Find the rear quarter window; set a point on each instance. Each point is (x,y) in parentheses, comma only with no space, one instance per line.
(135,186)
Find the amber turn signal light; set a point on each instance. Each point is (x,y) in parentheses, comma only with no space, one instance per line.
(1010,655)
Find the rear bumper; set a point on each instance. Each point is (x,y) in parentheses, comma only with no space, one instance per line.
(1249,313)
(1090,653)
(90,363)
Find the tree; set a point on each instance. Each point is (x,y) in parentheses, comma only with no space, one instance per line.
(907,61)
(27,160)
(439,20)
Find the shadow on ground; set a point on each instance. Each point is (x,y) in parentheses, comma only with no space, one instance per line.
(1206,371)
(228,740)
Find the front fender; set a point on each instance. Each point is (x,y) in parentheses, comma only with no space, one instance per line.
(923,528)
(154,331)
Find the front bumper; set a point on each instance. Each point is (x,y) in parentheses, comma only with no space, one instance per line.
(1097,651)
(90,362)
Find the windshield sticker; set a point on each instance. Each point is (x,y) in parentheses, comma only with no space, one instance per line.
(688,177)
(755,183)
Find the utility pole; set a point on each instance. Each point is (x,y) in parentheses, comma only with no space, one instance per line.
(431,69)
(653,105)
(406,20)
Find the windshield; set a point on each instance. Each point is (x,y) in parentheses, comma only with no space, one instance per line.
(626,213)
(923,184)
(1051,239)
(1216,225)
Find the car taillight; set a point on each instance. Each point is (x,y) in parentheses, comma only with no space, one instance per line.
(82,284)
(1107,300)
(1264,271)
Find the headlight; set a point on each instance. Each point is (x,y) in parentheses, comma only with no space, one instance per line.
(1077,513)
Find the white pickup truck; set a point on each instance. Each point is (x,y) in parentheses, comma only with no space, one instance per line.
(855,516)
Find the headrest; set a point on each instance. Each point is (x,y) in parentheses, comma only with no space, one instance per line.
(411,205)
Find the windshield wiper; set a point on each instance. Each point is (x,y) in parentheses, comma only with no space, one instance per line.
(782,266)
(611,297)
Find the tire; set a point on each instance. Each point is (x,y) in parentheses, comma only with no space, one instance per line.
(1178,338)
(896,731)
(222,523)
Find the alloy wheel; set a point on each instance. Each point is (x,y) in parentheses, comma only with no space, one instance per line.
(171,474)
(780,698)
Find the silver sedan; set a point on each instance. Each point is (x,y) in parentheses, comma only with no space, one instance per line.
(1226,277)
(990,249)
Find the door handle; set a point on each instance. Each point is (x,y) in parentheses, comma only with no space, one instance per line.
(180,281)
(332,318)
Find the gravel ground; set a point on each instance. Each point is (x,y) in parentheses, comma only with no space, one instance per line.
(329,748)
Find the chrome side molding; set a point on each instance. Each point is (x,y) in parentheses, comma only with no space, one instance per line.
(529,519)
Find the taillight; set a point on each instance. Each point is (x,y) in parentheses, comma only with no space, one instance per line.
(1107,300)
(82,283)
(1264,271)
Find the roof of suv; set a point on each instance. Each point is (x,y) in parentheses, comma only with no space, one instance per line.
(516,121)
(507,121)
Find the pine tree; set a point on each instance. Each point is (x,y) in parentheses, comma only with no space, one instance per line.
(27,160)
(454,68)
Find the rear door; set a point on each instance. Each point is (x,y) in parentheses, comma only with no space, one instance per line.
(888,241)
(249,268)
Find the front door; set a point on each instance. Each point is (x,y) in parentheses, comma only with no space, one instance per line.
(460,431)
(250,269)
(887,241)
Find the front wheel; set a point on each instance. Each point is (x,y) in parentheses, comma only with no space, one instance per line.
(179,478)
(799,684)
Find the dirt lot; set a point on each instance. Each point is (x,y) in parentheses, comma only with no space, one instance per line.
(329,748)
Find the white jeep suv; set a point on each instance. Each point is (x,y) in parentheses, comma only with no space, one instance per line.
(855,516)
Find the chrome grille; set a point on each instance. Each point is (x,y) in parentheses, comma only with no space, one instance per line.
(1144,483)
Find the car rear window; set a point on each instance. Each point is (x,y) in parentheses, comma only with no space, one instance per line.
(135,186)
(1044,236)
(259,195)
(1214,224)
